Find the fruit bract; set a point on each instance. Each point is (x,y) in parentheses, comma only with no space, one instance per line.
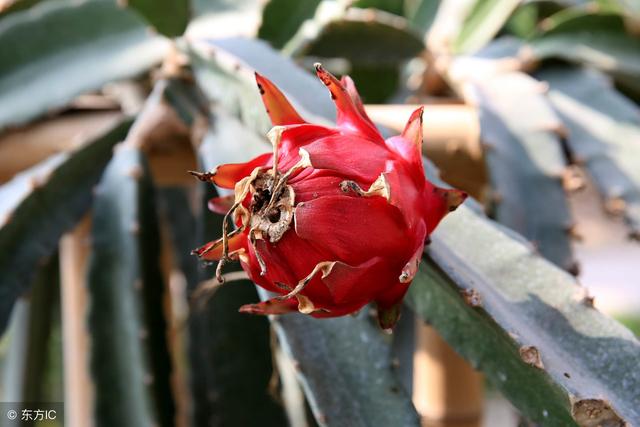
(333,218)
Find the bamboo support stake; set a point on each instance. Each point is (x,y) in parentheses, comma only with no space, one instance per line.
(166,142)
(447,392)
(23,147)
(78,391)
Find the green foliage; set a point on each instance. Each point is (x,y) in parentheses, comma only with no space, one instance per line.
(515,316)
(524,20)
(396,7)
(26,366)
(42,203)
(523,153)
(604,128)
(130,364)
(236,92)
(168,17)
(59,49)
(483,22)
(377,83)
(363,38)
(282,18)
(342,389)
(597,40)
(522,301)
(375,43)
(421,13)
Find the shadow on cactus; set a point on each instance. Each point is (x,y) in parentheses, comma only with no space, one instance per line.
(333,218)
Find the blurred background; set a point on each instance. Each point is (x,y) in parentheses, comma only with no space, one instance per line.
(531,107)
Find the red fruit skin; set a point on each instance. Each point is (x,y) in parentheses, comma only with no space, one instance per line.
(361,210)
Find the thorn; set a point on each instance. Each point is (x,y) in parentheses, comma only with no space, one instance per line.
(574,268)
(487,146)
(6,219)
(134,228)
(615,206)
(572,232)
(471,297)
(531,356)
(595,412)
(572,179)
(135,172)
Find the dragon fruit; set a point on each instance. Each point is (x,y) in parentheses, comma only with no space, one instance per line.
(333,218)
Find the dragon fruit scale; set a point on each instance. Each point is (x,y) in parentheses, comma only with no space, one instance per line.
(333,218)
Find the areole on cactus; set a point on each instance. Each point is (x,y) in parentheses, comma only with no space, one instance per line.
(333,218)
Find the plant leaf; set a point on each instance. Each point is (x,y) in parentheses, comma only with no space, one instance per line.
(345,371)
(539,304)
(66,48)
(43,202)
(364,37)
(130,363)
(525,301)
(483,22)
(598,40)
(604,130)
(224,69)
(521,139)
(396,7)
(282,18)
(168,17)
(421,13)
(29,336)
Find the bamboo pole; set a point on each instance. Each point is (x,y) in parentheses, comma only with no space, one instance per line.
(447,392)
(78,390)
(170,151)
(23,147)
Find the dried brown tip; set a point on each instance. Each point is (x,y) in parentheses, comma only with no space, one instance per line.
(455,198)
(203,176)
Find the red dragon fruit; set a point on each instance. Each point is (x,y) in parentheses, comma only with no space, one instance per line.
(333,218)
